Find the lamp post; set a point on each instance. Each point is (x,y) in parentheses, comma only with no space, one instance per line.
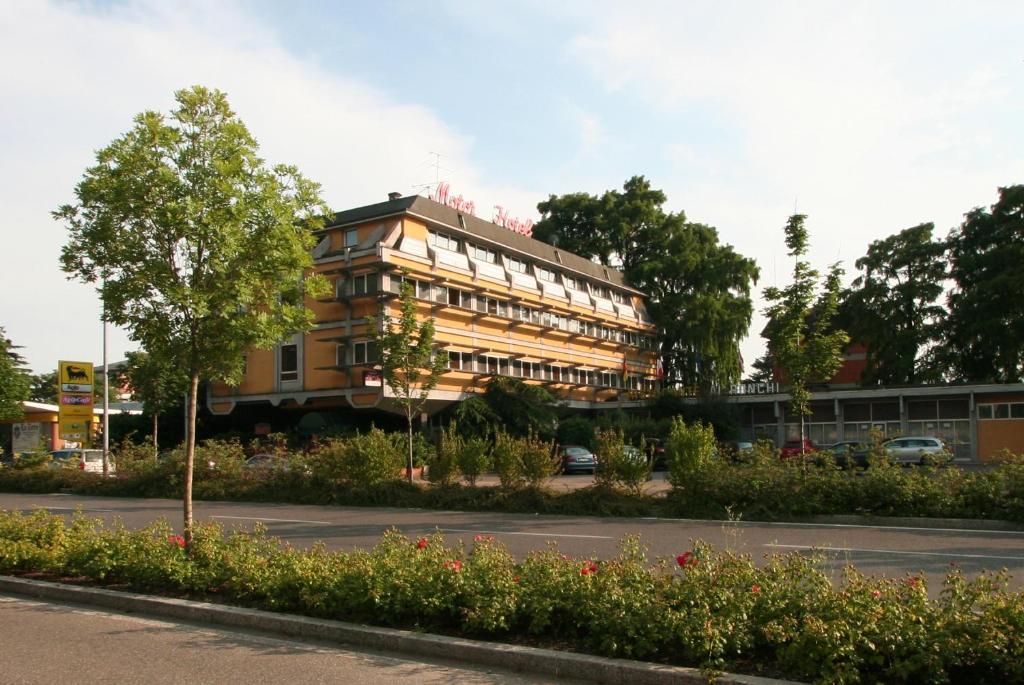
(106,396)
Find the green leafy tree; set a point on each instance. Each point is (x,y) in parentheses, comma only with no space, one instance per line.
(43,388)
(199,245)
(763,369)
(892,307)
(699,289)
(984,334)
(14,379)
(157,382)
(410,367)
(520,407)
(806,345)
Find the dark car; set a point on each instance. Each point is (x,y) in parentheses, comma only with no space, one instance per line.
(576,459)
(848,453)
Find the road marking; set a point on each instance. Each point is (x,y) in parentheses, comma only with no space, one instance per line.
(508,532)
(49,508)
(894,551)
(263,518)
(833,525)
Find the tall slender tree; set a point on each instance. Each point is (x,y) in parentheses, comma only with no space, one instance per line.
(14,379)
(804,342)
(199,246)
(984,334)
(155,382)
(409,364)
(892,306)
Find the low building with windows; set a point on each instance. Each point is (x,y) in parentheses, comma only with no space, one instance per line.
(976,421)
(504,304)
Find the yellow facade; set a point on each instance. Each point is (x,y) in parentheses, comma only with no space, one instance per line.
(502,304)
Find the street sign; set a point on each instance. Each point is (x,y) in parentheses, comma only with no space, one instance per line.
(74,418)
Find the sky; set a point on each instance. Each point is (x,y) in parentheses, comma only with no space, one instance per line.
(869,117)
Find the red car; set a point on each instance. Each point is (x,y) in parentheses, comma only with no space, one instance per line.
(791,448)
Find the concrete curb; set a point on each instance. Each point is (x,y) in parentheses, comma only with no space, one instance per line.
(914,522)
(513,657)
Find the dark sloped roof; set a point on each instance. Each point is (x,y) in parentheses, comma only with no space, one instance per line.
(479,228)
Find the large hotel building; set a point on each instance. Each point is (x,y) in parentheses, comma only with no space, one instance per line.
(503,303)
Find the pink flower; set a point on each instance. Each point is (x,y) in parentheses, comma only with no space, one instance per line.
(876,593)
(422,544)
(453,565)
(755,588)
(914,582)
(686,559)
(176,540)
(588,568)
(483,538)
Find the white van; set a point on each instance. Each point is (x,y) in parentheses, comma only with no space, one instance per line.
(90,461)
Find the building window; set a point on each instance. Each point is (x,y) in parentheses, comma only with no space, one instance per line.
(570,282)
(460,298)
(1002,410)
(618,297)
(289,361)
(602,292)
(483,254)
(364,283)
(351,238)
(444,242)
(364,352)
(516,265)
(460,361)
(546,274)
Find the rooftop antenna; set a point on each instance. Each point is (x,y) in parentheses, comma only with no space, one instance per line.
(436,163)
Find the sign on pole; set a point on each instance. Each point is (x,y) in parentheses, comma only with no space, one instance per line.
(75,383)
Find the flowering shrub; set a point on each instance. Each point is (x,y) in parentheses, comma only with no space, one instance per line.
(362,460)
(689,449)
(474,459)
(715,610)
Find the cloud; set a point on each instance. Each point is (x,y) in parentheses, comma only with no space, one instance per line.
(84,71)
(868,117)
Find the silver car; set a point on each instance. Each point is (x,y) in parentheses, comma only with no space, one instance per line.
(576,459)
(913,449)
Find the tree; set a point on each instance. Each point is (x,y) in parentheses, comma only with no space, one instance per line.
(14,379)
(763,369)
(199,246)
(699,289)
(44,388)
(803,340)
(521,407)
(410,367)
(159,385)
(984,333)
(892,309)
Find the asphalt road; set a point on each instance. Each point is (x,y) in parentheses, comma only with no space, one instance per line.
(64,643)
(888,551)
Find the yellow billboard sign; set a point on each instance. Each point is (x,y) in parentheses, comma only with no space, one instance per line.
(75,377)
(74,416)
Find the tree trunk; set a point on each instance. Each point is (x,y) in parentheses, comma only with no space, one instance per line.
(190,454)
(156,445)
(408,472)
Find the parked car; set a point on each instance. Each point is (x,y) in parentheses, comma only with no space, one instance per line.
(848,453)
(735,450)
(576,459)
(90,461)
(914,449)
(791,448)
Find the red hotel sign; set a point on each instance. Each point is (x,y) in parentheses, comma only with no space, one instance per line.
(443,194)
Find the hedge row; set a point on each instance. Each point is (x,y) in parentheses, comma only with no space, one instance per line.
(763,488)
(715,610)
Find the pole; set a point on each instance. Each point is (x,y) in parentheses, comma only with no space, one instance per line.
(106,400)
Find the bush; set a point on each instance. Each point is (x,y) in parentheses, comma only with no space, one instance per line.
(619,465)
(709,609)
(442,467)
(363,460)
(689,448)
(474,459)
(576,430)
(539,460)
